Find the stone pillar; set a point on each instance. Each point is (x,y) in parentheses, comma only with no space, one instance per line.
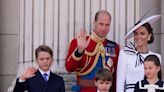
(162,36)
(9,30)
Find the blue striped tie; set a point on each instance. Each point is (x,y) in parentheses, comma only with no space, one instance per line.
(45,75)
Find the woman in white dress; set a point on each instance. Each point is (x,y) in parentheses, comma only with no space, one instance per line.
(130,67)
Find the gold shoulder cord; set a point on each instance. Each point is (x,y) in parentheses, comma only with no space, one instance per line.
(99,50)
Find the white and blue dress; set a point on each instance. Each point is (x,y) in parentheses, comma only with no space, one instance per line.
(144,86)
(130,68)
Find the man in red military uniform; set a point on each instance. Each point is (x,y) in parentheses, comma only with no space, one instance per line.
(87,54)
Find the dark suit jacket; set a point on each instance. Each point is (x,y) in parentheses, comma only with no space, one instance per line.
(37,84)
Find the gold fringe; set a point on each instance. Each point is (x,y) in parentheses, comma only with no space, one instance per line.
(101,51)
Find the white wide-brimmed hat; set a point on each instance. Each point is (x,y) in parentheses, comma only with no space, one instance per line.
(150,20)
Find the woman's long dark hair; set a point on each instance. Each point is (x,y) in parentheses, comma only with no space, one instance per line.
(150,31)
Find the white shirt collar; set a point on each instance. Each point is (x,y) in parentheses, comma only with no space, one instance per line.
(42,72)
(98,91)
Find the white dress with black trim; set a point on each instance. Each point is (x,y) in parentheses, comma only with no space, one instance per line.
(130,68)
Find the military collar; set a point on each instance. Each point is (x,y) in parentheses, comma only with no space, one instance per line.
(96,38)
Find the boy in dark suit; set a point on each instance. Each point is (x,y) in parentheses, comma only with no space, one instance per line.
(42,79)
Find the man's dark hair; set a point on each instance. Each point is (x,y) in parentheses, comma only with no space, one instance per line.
(101,12)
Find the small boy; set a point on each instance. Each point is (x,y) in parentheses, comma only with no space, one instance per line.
(103,80)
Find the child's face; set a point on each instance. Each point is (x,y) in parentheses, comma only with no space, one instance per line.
(103,86)
(151,70)
(44,60)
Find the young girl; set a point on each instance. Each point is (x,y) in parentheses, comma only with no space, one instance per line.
(152,82)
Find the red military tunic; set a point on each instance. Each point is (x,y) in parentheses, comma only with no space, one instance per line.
(99,54)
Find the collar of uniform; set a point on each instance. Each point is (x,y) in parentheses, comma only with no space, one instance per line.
(96,38)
